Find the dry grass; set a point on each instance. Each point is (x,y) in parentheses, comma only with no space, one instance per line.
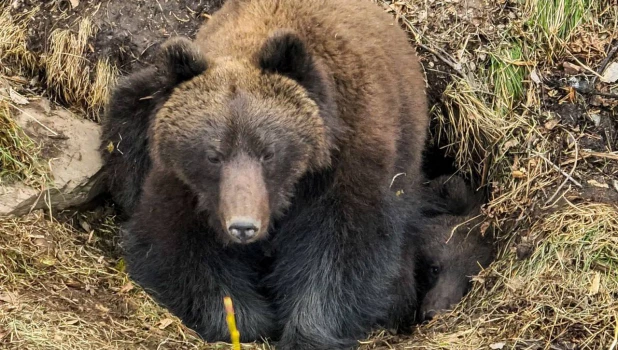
(13,40)
(67,70)
(68,74)
(60,288)
(19,155)
(100,90)
(493,121)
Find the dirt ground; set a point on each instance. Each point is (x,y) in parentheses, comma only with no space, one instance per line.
(519,106)
(129,32)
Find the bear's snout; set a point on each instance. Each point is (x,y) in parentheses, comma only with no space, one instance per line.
(244,207)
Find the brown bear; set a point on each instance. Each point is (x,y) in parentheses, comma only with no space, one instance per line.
(443,248)
(257,162)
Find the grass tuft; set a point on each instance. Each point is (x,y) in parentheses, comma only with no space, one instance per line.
(100,90)
(19,159)
(68,75)
(553,22)
(13,39)
(67,71)
(507,72)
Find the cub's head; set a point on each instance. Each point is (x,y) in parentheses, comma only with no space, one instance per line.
(240,133)
(452,248)
(449,260)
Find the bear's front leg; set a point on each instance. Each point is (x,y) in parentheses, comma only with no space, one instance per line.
(334,273)
(174,255)
(192,283)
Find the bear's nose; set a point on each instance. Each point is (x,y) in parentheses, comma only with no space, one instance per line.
(243,230)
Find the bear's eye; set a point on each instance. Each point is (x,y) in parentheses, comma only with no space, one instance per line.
(435,270)
(214,159)
(268,155)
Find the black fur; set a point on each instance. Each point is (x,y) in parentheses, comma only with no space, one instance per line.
(327,293)
(191,273)
(285,53)
(133,104)
(445,261)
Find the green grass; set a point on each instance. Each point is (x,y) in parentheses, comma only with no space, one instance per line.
(507,72)
(552,22)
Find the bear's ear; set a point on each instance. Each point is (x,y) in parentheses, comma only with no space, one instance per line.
(181,59)
(285,53)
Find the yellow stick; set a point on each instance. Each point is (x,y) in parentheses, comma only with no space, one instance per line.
(231,323)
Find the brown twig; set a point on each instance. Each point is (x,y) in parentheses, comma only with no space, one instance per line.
(605,62)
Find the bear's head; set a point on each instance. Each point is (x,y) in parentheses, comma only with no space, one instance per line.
(453,247)
(454,253)
(241,132)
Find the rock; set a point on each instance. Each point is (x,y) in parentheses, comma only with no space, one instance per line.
(70,145)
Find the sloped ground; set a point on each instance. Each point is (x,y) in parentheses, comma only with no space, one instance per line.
(519,101)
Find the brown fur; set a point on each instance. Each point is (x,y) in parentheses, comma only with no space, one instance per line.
(243,195)
(296,114)
(371,78)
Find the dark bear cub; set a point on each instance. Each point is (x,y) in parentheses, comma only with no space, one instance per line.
(450,248)
(437,263)
(256,162)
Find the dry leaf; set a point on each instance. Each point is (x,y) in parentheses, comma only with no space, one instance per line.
(74,3)
(595,183)
(551,124)
(47,261)
(596,284)
(42,242)
(71,322)
(611,73)
(110,147)
(84,225)
(570,68)
(510,143)
(126,288)
(495,346)
(164,323)
(535,76)
(518,174)
(17,98)
(484,227)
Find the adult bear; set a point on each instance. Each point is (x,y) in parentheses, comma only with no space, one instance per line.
(268,147)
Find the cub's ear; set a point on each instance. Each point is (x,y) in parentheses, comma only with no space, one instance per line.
(285,53)
(455,195)
(181,59)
